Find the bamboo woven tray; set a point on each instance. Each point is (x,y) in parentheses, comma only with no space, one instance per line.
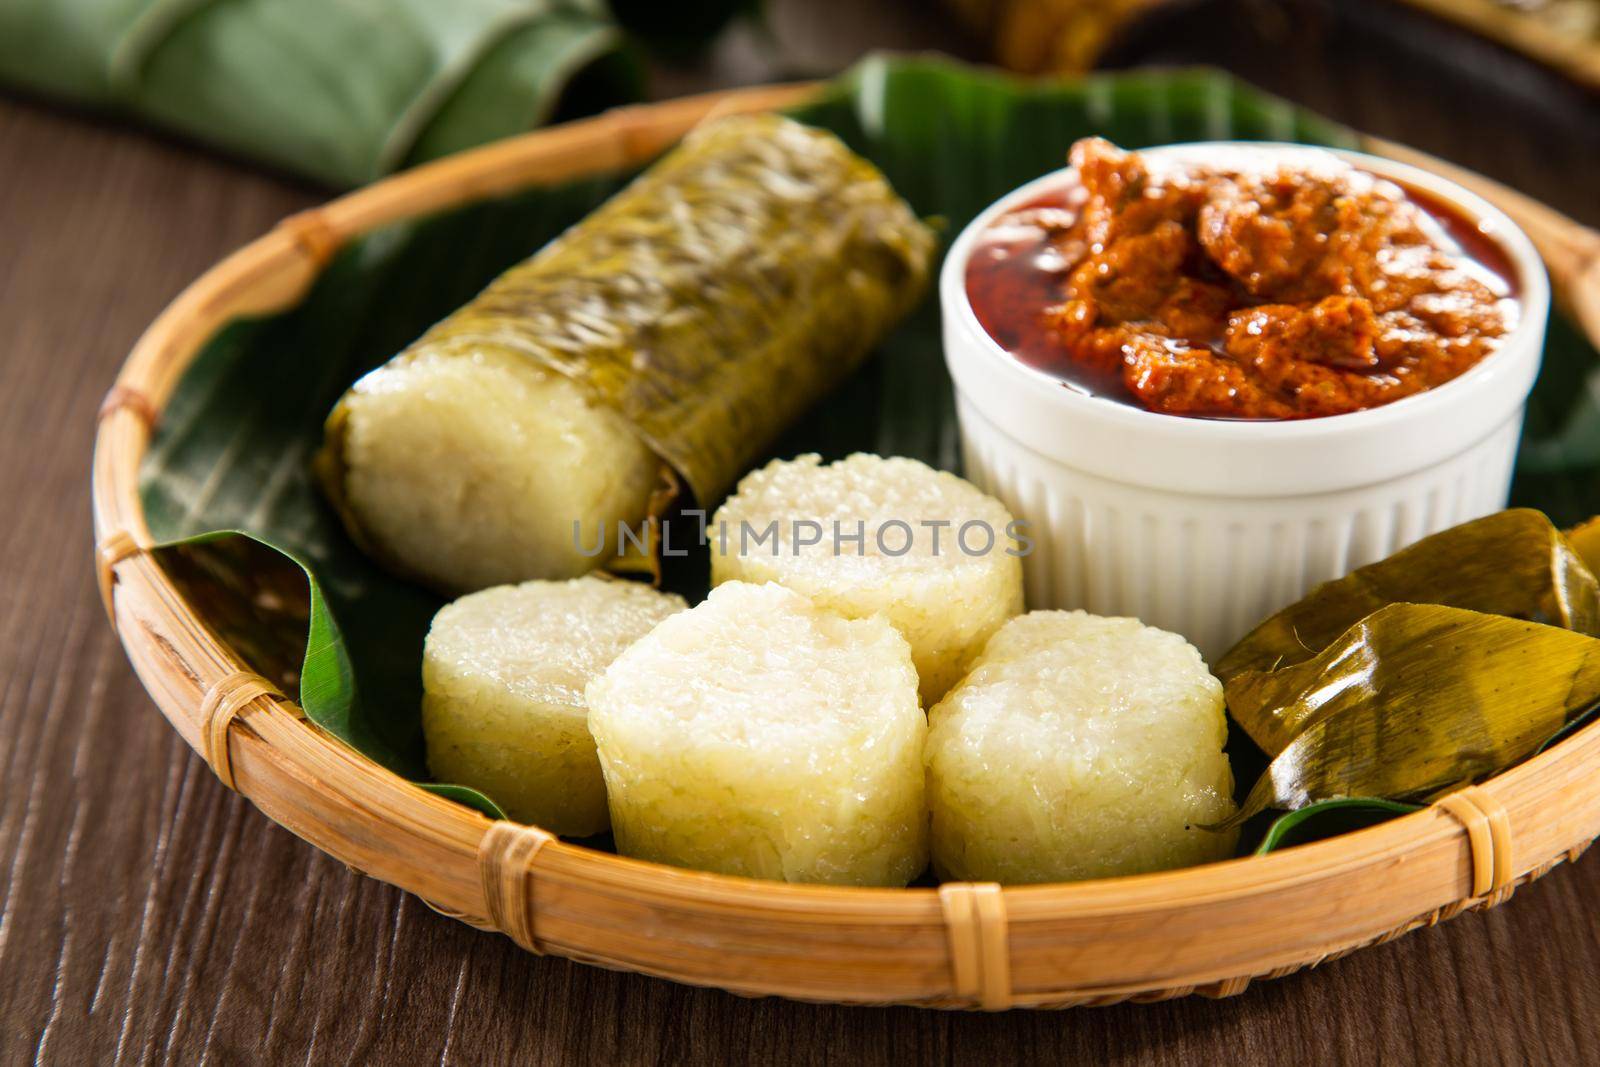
(1208,930)
(1527,31)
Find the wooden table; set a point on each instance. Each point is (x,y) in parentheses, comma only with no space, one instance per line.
(147,914)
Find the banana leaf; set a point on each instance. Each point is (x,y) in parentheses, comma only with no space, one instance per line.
(1576,723)
(269,608)
(340,90)
(233,449)
(1513,563)
(1585,541)
(1418,699)
(1327,818)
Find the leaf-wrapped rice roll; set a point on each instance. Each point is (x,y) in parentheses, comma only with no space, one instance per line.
(1444,664)
(1416,700)
(1513,563)
(670,335)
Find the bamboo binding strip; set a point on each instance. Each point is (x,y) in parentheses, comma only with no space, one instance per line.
(117,546)
(222,704)
(505,863)
(127,398)
(1488,828)
(314,235)
(980,952)
(1206,930)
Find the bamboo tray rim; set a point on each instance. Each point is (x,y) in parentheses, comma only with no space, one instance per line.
(1571,56)
(264,747)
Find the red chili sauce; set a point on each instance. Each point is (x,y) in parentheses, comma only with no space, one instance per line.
(1263,286)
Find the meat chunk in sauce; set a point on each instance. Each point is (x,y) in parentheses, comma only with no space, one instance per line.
(1294,288)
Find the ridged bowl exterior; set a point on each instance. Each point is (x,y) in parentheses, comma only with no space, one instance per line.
(1211,567)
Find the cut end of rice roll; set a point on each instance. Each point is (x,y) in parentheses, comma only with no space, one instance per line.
(503,675)
(932,556)
(1079,747)
(757,734)
(470,471)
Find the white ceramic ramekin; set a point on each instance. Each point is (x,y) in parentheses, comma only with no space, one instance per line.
(1205,527)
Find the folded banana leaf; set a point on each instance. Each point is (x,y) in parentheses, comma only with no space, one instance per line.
(270,609)
(340,90)
(1418,699)
(1512,563)
(1585,541)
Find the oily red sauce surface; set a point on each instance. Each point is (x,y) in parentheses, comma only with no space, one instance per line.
(1260,287)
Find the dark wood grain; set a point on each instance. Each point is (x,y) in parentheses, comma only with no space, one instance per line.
(147,915)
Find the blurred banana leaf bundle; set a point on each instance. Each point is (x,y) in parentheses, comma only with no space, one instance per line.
(343,91)
(1070,36)
(1051,36)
